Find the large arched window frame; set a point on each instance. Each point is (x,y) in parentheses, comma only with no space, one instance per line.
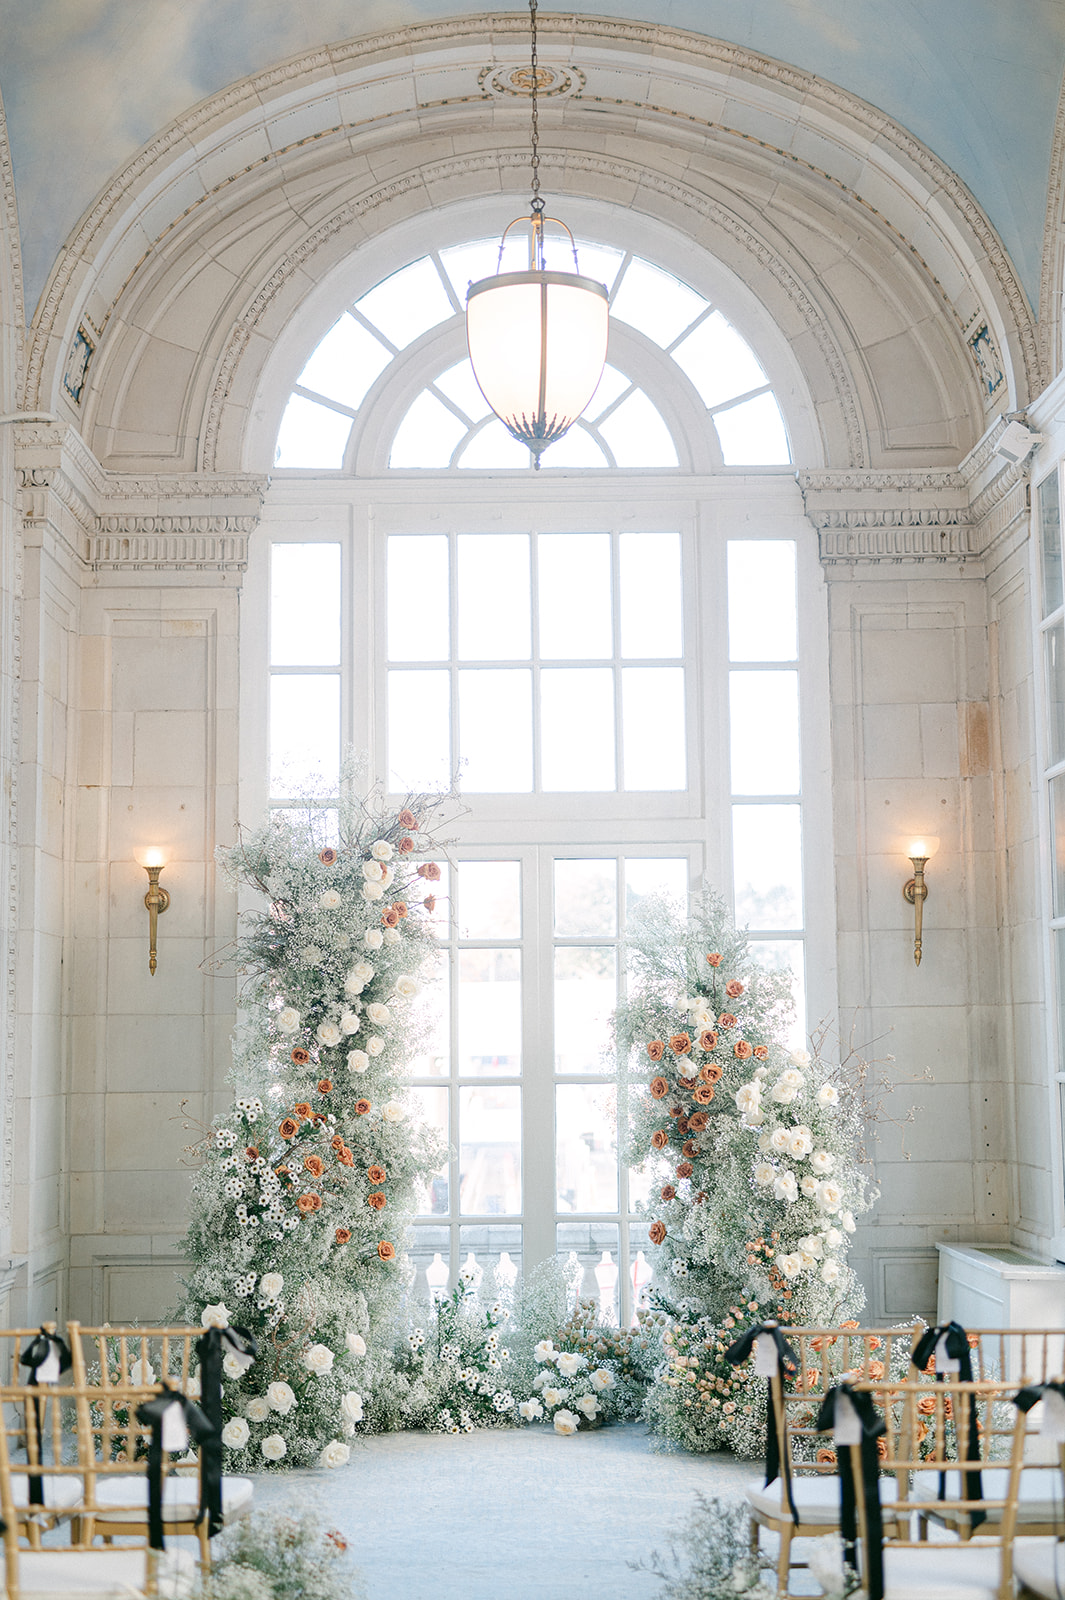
(543,837)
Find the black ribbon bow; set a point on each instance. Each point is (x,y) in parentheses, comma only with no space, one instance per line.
(36,1354)
(777,1464)
(956,1347)
(212,1346)
(151,1413)
(872,1427)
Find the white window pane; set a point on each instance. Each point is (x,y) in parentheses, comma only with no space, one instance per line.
(304,732)
(764,724)
(495,731)
(427,436)
(419,717)
(612,386)
(576,448)
(489,1013)
(469,263)
(574,592)
(494,450)
(586,1162)
(586,993)
(304,605)
(319,824)
(430,1106)
(311,436)
(460,385)
(418,627)
(493,594)
(489,894)
(577,728)
(598,261)
(719,363)
(656,875)
(637,435)
(655,302)
(655,742)
(767,866)
(430,1018)
(346,363)
(490,1151)
(787,955)
(753,434)
(762,606)
(586,897)
(650,594)
(408,303)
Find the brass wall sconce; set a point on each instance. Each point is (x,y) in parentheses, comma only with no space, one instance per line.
(915,892)
(156,900)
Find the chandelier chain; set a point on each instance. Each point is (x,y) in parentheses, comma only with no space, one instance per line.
(537,201)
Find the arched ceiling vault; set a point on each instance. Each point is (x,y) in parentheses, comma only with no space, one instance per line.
(873,258)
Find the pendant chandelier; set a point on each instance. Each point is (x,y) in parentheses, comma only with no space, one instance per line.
(537,339)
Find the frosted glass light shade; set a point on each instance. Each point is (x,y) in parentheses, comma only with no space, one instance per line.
(537,342)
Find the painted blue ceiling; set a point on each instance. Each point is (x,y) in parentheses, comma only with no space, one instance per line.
(86,82)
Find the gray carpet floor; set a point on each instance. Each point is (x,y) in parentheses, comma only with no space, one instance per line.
(509,1515)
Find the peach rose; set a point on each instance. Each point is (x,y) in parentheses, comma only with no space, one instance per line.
(289,1128)
(656,1232)
(659,1087)
(926,1405)
(301,1056)
(668,1192)
(711,1073)
(345,1157)
(686,1083)
(325,1086)
(680,1044)
(252,1152)
(734,988)
(400,908)
(684,1170)
(656,1049)
(688,1148)
(704,1094)
(377,1200)
(314,1165)
(302,1109)
(659,1139)
(309,1203)
(430,903)
(337,1141)
(361,1107)
(698,1122)
(281,1172)
(408,820)
(343,1236)
(376,1174)
(742,1050)
(327,856)
(390,918)
(405,846)
(714,959)
(826,1458)
(683,1125)
(707,1039)
(430,871)
(386,1251)
(726,1020)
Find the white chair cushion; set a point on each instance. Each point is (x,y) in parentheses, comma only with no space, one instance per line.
(816,1499)
(181,1497)
(101,1574)
(943,1572)
(1039,1497)
(61,1492)
(1040,1565)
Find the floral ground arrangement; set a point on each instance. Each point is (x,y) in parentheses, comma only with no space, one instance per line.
(753,1149)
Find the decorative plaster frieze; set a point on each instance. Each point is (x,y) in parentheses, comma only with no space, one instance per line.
(878,542)
(199,548)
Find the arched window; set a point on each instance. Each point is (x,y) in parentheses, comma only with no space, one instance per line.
(610,662)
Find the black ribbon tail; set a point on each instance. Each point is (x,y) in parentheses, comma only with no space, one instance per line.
(777,1462)
(956,1345)
(209,1348)
(872,1427)
(36,1353)
(199,1429)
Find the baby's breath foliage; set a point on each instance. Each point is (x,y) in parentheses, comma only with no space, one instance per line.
(457,1372)
(753,1155)
(306,1187)
(270,1557)
(712,1558)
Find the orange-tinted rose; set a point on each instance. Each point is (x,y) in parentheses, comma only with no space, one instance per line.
(656,1232)
(707,1039)
(325,1086)
(289,1128)
(686,1083)
(684,1170)
(689,1148)
(282,1171)
(680,1044)
(343,1235)
(704,1094)
(337,1141)
(361,1107)
(675,1111)
(408,820)
(742,1050)
(314,1165)
(301,1056)
(881,1449)
(400,908)
(659,1139)
(302,1109)
(714,959)
(656,1049)
(711,1073)
(734,988)
(390,918)
(430,871)
(376,1174)
(850,1322)
(726,1020)
(252,1152)
(659,1087)
(386,1251)
(377,1200)
(826,1458)
(345,1156)
(309,1203)
(327,856)
(405,846)
(668,1192)
(430,903)
(697,1123)
(761,1052)
(926,1405)
(682,1126)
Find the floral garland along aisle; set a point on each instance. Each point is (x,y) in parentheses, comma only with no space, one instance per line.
(753,1151)
(307,1184)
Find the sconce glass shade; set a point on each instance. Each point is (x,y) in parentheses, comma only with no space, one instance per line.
(537,343)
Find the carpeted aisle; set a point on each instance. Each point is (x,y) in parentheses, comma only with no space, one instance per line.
(509,1515)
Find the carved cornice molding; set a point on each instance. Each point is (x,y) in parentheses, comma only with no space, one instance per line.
(879,542)
(186,543)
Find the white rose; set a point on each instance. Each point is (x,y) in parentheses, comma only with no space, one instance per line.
(271,1284)
(546,1376)
(822,1162)
(829,1196)
(358,1061)
(274,1447)
(764,1174)
(833,1239)
(847,1219)
(373,939)
(830,1272)
(390,935)
(566,1423)
(800,1143)
(258,1409)
(753,1119)
(236,1433)
(554,1397)
(569,1363)
(378,1014)
(318,1359)
(800,1058)
(783,1093)
(381,850)
(789,1075)
(589,1405)
(785,1187)
(280,1398)
(375,1044)
(828,1095)
(214,1316)
(335,1454)
(327,1033)
(602,1379)
(232,1366)
(811,1245)
(350,1022)
(545,1350)
(356,1344)
(329,900)
(193,1386)
(351,1407)
(373,871)
(748,1097)
(530,1411)
(790,1266)
(288,1020)
(142,1374)
(779,1140)
(763,1140)
(760,1073)
(406,986)
(392,1111)
(809,1186)
(372,891)
(353,984)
